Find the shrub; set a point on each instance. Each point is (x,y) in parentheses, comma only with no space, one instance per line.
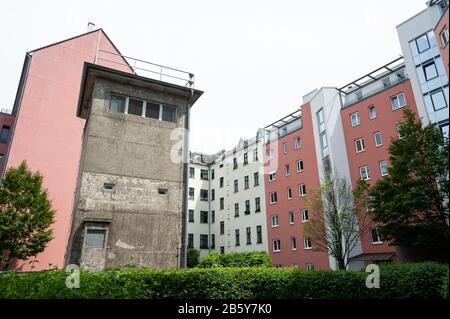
(192,259)
(413,281)
(250,259)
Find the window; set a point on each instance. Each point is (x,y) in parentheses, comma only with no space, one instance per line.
(376,239)
(276,245)
(400,75)
(109,187)
(398,127)
(285,148)
(323,141)
(305,216)
(256,179)
(191,216)
(302,190)
(1,159)
(386,82)
(359,144)
(443,6)
(222,250)
(247,207)
(95,238)
(213,194)
(246,182)
(327,166)
(4,134)
(191,172)
(222,228)
(255,155)
(273,197)
(270,154)
(364,173)
(293,243)
(203,241)
(287,170)
(289,193)
(191,193)
(358,95)
(204,174)
(297,143)
(221,182)
(272,176)
(203,217)
(372,112)
(299,165)
(245,158)
(204,195)
(383,168)
(235,164)
(309,266)
(190,240)
(222,203)
(236,186)
(320,120)
(213,216)
(398,101)
(444,36)
(422,43)
(438,100)
(117,104)
(213,241)
(444,131)
(291,217)
(430,71)
(354,119)
(135,106)
(377,139)
(212,174)
(236,210)
(307,242)
(237,239)
(274,219)
(169,114)
(249,235)
(152,110)
(258,234)
(163,191)
(257,205)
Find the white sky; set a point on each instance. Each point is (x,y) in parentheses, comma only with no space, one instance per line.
(253,59)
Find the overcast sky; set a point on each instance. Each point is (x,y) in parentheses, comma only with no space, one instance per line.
(253,59)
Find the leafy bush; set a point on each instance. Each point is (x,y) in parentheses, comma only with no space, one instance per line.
(414,281)
(193,256)
(251,259)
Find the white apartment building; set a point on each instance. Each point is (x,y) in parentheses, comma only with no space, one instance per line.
(226,209)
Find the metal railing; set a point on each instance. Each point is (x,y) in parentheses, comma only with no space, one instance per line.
(149,69)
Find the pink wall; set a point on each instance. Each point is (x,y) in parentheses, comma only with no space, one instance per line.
(385,122)
(443,23)
(310,177)
(5,120)
(48,133)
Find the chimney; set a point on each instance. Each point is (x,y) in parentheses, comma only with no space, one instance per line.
(90,26)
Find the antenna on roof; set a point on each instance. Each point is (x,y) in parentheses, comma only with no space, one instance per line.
(90,26)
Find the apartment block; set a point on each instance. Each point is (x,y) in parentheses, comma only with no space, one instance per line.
(6,122)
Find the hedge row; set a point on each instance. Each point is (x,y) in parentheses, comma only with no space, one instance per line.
(425,280)
(250,259)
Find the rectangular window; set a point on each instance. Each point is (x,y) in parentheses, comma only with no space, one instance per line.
(203,241)
(169,114)
(285,148)
(398,101)
(221,182)
(212,174)
(235,163)
(213,241)
(257,205)
(364,173)
(320,120)
(245,158)
(299,164)
(247,207)
(372,112)
(289,193)
(438,100)
(222,250)
(272,176)
(191,193)
(4,134)
(191,172)
(276,245)
(444,36)
(309,266)
(95,238)
(287,170)
(377,139)
(291,217)
(376,239)
(204,174)
(222,228)
(323,141)
(270,154)
(213,194)
(305,216)
(274,219)
(255,155)
(117,104)
(258,234)
(249,235)
(222,203)
(163,191)
(354,119)
(203,217)
(358,95)
(109,187)
(237,239)
(236,186)
(246,182)
(302,190)
(152,110)
(204,195)
(398,128)
(307,242)
(190,240)
(293,243)
(422,43)
(297,143)
(236,210)
(359,145)
(383,168)
(386,82)
(273,197)
(256,179)
(213,216)
(135,106)
(430,71)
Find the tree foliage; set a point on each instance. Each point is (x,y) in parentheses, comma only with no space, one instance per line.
(26,215)
(411,203)
(193,257)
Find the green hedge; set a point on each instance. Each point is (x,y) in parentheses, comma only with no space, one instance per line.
(423,280)
(250,259)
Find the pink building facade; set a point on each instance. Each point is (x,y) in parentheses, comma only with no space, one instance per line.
(6,123)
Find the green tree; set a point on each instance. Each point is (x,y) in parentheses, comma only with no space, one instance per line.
(193,257)
(411,203)
(26,215)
